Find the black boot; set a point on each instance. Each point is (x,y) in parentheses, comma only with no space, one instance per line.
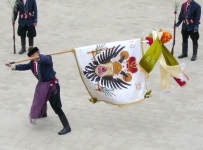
(23,46)
(66,125)
(194,56)
(184,50)
(31,41)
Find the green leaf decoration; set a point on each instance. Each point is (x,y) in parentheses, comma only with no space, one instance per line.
(13,4)
(176,5)
(107,92)
(100,47)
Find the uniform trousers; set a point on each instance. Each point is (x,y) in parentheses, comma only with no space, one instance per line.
(193,36)
(30,30)
(55,102)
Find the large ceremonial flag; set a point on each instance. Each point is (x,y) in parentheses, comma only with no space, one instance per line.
(110,72)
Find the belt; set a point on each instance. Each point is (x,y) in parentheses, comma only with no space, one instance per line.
(189,21)
(26,15)
(54,81)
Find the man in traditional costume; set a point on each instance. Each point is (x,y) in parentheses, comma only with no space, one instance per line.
(190,16)
(27,21)
(47,88)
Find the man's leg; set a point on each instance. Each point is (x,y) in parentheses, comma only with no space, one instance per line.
(31,34)
(55,102)
(31,41)
(23,49)
(185,36)
(44,114)
(194,37)
(22,34)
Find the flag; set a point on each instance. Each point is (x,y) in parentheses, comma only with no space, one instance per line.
(110,72)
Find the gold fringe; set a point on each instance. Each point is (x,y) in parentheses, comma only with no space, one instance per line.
(121,105)
(147,95)
(93,99)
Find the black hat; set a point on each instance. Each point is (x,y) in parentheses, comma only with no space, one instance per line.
(32,50)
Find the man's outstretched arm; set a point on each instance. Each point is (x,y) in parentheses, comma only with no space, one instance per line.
(20,67)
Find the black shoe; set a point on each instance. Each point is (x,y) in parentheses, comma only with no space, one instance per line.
(183,55)
(22,50)
(65,130)
(66,125)
(194,57)
(184,50)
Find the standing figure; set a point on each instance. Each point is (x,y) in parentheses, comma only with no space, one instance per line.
(27,21)
(47,88)
(190,16)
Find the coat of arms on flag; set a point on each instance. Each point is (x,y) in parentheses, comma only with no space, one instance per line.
(110,72)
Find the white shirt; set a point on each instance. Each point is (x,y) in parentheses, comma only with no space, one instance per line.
(188,4)
(24,1)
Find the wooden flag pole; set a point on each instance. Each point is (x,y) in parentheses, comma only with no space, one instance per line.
(14,39)
(31,58)
(176,6)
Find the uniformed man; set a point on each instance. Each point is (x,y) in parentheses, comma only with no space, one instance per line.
(27,21)
(47,88)
(190,16)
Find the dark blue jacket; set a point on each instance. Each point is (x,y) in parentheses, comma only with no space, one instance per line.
(45,68)
(195,13)
(32,7)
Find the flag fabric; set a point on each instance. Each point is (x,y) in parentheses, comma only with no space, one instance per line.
(110,72)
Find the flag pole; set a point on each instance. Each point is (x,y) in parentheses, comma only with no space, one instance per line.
(14,45)
(176,6)
(13,5)
(31,58)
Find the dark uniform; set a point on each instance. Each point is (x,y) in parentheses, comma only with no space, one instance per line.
(27,16)
(44,72)
(190,16)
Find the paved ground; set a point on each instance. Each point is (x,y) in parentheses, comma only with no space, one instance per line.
(169,122)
